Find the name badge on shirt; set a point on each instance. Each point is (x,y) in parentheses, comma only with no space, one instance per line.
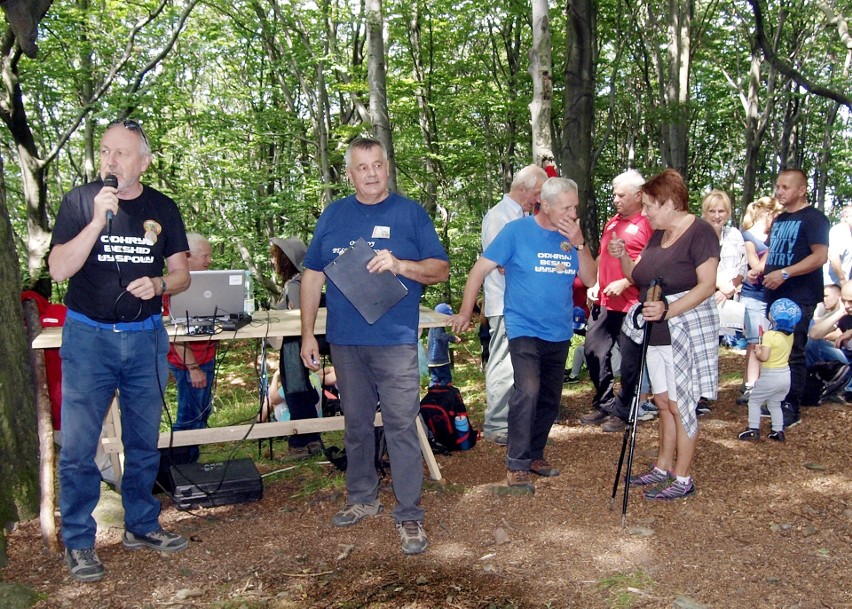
(381,232)
(631,229)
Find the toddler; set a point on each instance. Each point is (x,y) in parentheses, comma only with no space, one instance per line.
(773,352)
(438,351)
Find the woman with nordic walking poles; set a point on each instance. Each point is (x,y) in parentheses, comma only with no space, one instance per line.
(683,352)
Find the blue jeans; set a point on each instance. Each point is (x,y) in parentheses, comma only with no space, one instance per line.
(194,405)
(440,375)
(95,363)
(367,375)
(818,350)
(539,367)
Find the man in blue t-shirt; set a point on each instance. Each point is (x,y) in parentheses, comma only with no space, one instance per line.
(798,249)
(375,361)
(541,256)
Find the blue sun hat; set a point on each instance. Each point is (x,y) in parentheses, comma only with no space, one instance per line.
(785,314)
(444,308)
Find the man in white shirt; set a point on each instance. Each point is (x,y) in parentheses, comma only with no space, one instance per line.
(524,194)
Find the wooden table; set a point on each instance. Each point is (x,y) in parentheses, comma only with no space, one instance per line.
(265,324)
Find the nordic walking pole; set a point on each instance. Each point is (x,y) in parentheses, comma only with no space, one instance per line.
(654,293)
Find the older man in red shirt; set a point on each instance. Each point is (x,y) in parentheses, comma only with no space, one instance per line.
(612,296)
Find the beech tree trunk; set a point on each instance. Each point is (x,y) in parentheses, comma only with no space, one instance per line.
(579,114)
(541,71)
(19,489)
(376,72)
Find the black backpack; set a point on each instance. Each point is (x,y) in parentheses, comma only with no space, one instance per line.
(439,409)
(823,380)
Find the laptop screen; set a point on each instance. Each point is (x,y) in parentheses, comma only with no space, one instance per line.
(219,293)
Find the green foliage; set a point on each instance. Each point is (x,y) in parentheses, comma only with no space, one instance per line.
(234,110)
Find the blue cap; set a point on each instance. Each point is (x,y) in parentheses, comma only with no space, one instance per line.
(579,318)
(444,308)
(785,314)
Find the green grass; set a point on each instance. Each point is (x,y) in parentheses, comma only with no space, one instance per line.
(624,587)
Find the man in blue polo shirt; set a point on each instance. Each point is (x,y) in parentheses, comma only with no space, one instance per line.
(375,362)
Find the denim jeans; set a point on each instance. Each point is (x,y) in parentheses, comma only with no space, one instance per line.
(95,363)
(194,405)
(539,367)
(366,376)
(440,375)
(818,350)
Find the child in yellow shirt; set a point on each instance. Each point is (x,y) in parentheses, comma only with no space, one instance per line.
(772,386)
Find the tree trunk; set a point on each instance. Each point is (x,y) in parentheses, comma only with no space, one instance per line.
(677,86)
(578,118)
(378,88)
(541,71)
(426,116)
(19,490)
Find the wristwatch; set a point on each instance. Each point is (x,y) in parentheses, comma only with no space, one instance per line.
(580,247)
(163,286)
(784,274)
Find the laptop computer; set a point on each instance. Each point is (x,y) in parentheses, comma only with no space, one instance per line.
(212,293)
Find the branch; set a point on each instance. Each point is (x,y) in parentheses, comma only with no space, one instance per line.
(116,68)
(786,68)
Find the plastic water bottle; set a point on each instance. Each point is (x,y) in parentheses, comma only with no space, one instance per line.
(282,413)
(462,426)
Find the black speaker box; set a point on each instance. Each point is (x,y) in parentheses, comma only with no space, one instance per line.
(213,484)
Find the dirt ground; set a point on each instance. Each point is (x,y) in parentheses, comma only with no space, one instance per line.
(770,526)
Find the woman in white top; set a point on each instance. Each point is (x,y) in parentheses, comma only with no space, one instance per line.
(716,209)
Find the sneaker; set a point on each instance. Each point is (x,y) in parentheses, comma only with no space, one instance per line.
(570,379)
(500,437)
(703,407)
(353,512)
(84,564)
(614,424)
(596,417)
(791,416)
(776,436)
(160,540)
(541,467)
(413,536)
(654,476)
(647,411)
(520,479)
(743,399)
(675,490)
(750,434)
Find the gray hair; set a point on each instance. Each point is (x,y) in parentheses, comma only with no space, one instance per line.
(553,187)
(630,178)
(528,177)
(194,238)
(363,143)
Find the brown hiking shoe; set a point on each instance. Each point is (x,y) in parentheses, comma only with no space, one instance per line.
(520,479)
(543,468)
(595,417)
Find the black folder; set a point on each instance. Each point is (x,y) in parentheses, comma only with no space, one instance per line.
(372,294)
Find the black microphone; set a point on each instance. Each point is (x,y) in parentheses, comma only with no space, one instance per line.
(110,180)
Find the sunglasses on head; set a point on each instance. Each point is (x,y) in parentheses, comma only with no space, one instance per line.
(132,126)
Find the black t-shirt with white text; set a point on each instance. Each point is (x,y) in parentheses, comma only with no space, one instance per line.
(790,242)
(145,231)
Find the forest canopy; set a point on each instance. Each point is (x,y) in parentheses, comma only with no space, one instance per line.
(249,105)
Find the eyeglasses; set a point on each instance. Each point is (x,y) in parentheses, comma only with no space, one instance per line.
(132,126)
